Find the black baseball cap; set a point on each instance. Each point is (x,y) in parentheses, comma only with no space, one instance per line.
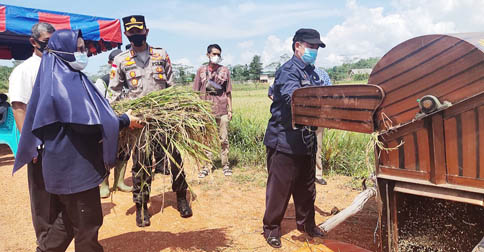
(134,21)
(114,53)
(310,36)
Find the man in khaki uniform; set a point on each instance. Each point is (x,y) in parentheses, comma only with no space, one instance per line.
(135,73)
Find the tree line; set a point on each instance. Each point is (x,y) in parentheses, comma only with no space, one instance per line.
(252,71)
(338,73)
(184,74)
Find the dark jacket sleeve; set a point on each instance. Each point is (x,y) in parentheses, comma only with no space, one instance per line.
(123,121)
(288,81)
(270,92)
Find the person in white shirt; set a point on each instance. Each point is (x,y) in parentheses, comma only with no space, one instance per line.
(21,83)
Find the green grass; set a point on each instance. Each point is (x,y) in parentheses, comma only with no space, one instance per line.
(343,152)
(249,86)
(249,121)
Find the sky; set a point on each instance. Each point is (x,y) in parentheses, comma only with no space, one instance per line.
(350,29)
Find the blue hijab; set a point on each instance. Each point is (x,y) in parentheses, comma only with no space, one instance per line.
(62,94)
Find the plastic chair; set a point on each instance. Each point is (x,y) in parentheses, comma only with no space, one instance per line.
(9,133)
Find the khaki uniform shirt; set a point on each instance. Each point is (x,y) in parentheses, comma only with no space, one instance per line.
(131,78)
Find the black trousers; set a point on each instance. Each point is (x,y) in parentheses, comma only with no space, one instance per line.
(289,175)
(83,212)
(82,215)
(142,172)
(51,233)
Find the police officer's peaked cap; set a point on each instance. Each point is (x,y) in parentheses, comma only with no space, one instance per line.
(310,36)
(114,53)
(134,21)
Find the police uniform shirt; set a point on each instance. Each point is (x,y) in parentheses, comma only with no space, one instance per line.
(133,77)
(280,135)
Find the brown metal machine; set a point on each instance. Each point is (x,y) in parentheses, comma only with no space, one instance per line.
(427,93)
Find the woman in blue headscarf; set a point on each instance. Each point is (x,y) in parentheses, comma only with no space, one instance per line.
(79,132)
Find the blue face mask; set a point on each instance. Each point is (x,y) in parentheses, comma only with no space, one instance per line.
(309,56)
(81,61)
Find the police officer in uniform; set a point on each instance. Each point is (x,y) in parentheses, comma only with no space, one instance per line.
(291,152)
(137,72)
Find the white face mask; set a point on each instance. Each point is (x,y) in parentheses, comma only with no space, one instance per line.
(215,59)
(81,61)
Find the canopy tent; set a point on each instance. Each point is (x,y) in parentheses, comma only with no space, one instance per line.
(100,34)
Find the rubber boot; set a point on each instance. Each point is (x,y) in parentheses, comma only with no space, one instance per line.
(119,172)
(104,190)
(142,215)
(146,216)
(139,215)
(182,205)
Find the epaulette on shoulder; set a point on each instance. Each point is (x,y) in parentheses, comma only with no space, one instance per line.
(121,55)
(159,50)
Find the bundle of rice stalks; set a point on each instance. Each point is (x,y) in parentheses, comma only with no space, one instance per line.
(176,120)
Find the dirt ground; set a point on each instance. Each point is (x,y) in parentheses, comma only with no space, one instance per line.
(227,215)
